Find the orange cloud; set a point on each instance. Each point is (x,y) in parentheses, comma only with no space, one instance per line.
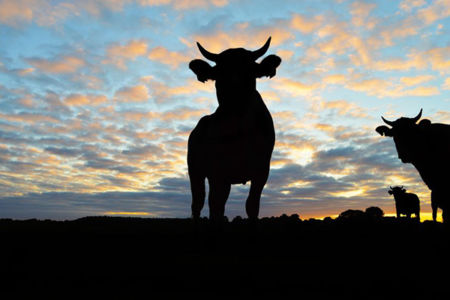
(293,87)
(446,84)
(184,4)
(171,58)
(334,79)
(306,24)
(47,13)
(78,99)
(118,54)
(360,12)
(439,9)
(17,11)
(242,36)
(66,64)
(138,93)
(342,107)
(409,81)
(27,118)
(408,5)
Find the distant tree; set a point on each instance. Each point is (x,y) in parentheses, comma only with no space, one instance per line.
(237,220)
(374,212)
(327,219)
(294,217)
(351,214)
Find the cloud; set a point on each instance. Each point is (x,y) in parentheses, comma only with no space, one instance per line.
(294,87)
(138,93)
(14,12)
(78,99)
(446,84)
(342,107)
(437,10)
(384,88)
(414,23)
(414,80)
(185,4)
(360,12)
(241,35)
(28,118)
(306,24)
(118,54)
(49,13)
(170,58)
(408,5)
(62,65)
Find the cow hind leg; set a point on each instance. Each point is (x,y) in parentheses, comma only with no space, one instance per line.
(254,196)
(219,191)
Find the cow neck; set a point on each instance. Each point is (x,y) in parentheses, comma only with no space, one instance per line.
(241,104)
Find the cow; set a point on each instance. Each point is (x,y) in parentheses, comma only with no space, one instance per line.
(426,145)
(405,203)
(234,144)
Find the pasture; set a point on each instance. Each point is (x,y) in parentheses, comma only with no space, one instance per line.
(355,257)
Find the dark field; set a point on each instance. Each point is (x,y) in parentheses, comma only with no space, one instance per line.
(129,258)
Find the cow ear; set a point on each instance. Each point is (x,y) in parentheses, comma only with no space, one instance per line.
(268,66)
(390,192)
(384,130)
(424,123)
(202,69)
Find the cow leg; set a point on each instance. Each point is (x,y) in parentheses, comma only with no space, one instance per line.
(434,205)
(219,191)
(434,211)
(198,194)
(445,216)
(254,196)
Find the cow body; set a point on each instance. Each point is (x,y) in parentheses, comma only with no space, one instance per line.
(405,203)
(235,143)
(426,145)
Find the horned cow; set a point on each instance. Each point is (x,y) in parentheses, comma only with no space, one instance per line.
(405,203)
(426,145)
(235,143)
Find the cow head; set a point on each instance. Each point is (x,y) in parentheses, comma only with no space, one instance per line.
(407,135)
(235,70)
(396,190)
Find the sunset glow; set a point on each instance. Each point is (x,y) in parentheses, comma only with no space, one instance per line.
(97,101)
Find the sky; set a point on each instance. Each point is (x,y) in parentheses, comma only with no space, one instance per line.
(97,101)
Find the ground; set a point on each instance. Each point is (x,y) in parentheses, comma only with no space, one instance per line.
(364,258)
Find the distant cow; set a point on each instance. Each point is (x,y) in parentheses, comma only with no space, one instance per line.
(405,203)
(235,143)
(426,145)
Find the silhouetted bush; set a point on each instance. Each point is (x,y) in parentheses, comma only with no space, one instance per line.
(374,212)
(352,214)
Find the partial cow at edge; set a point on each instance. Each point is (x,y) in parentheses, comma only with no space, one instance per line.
(405,203)
(235,143)
(426,145)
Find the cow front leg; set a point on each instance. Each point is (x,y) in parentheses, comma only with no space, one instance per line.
(198,194)
(219,190)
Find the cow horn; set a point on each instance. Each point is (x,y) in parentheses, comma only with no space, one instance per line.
(208,55)
(390,123)
(261,51)
(418,116)
(390,187)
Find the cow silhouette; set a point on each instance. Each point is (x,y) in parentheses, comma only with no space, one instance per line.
(426,145)
(405,203)
(235,143)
